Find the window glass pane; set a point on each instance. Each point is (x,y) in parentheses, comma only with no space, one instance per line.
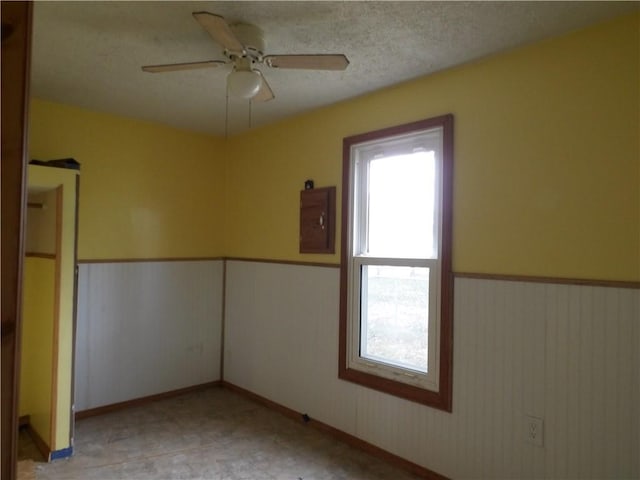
(401,206)
(395,315)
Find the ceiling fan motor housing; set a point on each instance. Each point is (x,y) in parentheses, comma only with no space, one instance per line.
(243,45)
(251,37)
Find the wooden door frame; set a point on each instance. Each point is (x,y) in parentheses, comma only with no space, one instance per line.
(16,53)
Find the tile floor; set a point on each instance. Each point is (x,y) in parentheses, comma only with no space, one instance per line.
(212,434)
(28,456)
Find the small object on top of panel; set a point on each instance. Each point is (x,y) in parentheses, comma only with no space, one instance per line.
(308,185)
(69,163)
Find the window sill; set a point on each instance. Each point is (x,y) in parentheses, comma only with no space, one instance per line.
(412,393)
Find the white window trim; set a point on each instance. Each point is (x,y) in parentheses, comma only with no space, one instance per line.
(360,157)
(442,398)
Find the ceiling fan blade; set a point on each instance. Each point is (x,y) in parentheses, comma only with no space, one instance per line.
(265,93)
(173,67)
(310,62)
(218,28)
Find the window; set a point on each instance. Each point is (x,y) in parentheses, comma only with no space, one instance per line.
(396,281)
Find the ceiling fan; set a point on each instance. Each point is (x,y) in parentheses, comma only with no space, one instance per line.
(244,48)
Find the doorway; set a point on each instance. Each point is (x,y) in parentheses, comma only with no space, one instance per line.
(39,321)
(48,305)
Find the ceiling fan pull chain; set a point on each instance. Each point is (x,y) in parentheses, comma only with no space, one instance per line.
(250,113)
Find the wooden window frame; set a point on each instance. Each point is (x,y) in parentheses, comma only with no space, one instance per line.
(442,398)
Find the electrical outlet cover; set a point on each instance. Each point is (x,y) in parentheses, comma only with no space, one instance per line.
(534,430)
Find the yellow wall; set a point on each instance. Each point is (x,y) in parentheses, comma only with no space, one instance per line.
(40,235)
(37,343)
(148,191)
(546,166)
(547,159)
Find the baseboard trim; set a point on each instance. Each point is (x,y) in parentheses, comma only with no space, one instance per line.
(91,412)
(24,421)
(41,445)
(286,411)
(338,434)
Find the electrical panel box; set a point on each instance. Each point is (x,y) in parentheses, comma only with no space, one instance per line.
(318,220)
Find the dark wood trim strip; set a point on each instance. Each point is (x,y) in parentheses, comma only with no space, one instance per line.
(14,126)
(74,318)
(41,445)
(49,256)
(485,276)
(284,262)
(149,260)
(347,438)
(55,351)
(287,412)
(223,317)
(550,280)
(24,420)
(203,259)
(91,412)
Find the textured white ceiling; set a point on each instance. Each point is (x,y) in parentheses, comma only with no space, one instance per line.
(89,54)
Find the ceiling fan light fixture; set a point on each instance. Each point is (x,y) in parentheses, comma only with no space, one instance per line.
(243,47)
(244,83)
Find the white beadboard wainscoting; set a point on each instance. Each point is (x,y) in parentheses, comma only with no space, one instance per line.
(568,354)
(145,328)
